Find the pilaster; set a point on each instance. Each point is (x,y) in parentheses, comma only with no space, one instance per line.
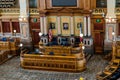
(24,23)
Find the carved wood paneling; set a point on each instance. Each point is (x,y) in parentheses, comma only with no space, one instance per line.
(86,4)
(98,26)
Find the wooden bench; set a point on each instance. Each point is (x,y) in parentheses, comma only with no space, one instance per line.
(109,70)
(3,56)
(11,46)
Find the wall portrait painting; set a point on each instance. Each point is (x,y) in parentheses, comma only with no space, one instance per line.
(52,25)
(79,26)
(65,26)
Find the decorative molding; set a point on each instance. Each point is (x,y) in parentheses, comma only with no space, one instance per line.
(98,11)
(7,3)
(34,11)
(117,11)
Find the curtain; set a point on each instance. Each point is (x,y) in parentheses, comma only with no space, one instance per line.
(6,27)
(15,26)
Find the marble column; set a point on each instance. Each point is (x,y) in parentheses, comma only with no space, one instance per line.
(42,24)
(89,26)
(59,28)
(110,19)
(24,8)
(45,25)
(1,27)
(71,25)
(85,23)
(111,9)
(24,24)
(23,19)
(11,29)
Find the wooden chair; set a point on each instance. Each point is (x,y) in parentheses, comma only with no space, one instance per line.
(102,75)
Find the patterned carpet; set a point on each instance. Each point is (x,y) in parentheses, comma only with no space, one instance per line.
(11,70)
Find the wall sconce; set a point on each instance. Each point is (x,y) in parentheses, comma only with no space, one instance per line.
(83,47)
(23,19)
(110,20)
(14,31)
(40,34)
(103,14)
(21,45)
(113,35)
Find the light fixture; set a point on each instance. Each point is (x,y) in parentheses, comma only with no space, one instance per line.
(103,14)
(14,31)
(21,45)
(22,18)
(110,20)
(83,47)
(113,33)
(81,35)
(40,34)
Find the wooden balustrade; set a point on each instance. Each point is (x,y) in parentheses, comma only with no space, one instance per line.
(47,62)
(58,50)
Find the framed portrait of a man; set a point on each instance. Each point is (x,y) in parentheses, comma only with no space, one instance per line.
(52,25)
(65,26)
(79,25)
